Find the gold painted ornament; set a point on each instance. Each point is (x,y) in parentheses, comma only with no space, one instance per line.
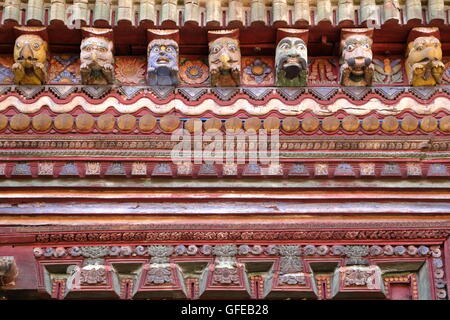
(30,60)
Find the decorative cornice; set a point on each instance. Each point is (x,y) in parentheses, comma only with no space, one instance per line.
(285,250)
(34,99)
(406,123)
(289,146)
(356,166)
(226,267)
(343,225)
(237,236)
(221,14)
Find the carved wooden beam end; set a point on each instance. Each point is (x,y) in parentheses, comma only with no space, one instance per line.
(8,271)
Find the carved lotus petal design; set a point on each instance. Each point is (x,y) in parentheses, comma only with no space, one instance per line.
(194,72)
(355,277)
(225,276)
(93,276)
(258,70)
(130,70)
(159,275)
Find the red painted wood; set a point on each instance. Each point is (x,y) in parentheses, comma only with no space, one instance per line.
(446,255)
(400,291)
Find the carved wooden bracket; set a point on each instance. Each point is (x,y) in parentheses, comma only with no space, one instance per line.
(8,271)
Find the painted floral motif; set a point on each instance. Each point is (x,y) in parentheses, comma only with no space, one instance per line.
(356,277)
(66,77)
(139,168)
(388,70)
(193,72)
(257,71)
(225,276)
(92,168)
(93,276)
(6,74)
(64,69)
(290,264)
(130,70)
(159,275)
(45,168)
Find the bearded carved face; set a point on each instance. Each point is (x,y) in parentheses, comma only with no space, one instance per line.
(162,62)
(30,49)
(424,65)
(30,60)
(96,52)
(357,68)
(225,62)
(291,62)
(357,52)
(97,61)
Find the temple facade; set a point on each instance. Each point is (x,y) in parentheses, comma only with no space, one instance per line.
(240,149)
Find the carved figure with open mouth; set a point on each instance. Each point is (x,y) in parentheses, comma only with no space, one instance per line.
(162,67)
(97,61)
(30,60)
(424,66)
(225,62)
(356,61)
(291,62)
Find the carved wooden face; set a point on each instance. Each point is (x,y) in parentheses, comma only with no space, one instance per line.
(29,49)
(357,52)
(162,53)
(424,50)
(224,54)
(423,64)
(291,57)
(96,52)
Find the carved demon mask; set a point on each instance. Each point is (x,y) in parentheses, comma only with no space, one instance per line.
(30,60)
(356,61)
(291,62)
(162,63)
(97,61)
(424,65)
(225,62)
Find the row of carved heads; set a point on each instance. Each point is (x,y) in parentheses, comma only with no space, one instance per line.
(31,56)
(423,62)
